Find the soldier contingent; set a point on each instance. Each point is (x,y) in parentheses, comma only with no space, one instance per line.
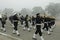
(39,23)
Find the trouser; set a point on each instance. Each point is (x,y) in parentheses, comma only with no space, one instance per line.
(15,26)
(3,23)
(0,19)
(33,23)
(49,25)
(45,26)
(26,24)
(38,30)
(21,22)
(53,23)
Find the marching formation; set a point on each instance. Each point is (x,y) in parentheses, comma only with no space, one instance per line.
(38,23)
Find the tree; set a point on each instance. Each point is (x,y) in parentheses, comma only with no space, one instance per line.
(25,11)
(53,8)
(37,10)
(8,11)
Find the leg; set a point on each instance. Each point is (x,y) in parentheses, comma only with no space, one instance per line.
(15,28)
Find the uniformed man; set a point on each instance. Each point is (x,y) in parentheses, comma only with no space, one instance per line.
(30,22)
(26,23)
(46,21)
(3,21)
(53,22)
(38,26)
(22,20)
(33,22)
(15,22)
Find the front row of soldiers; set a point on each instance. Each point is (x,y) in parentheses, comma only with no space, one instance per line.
(27,21)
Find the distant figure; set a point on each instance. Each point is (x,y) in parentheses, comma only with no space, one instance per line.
(22,19)
(26,23)
(33,22)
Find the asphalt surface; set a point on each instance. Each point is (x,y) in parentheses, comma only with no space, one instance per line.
(25,35)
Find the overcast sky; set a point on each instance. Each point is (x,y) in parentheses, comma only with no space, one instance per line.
(19,4)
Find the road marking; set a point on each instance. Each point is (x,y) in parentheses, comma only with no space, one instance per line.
(9,36)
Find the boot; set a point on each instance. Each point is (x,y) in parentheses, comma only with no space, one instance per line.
(14,32)
(48,32)
(42,38)
(24,28)
(17,33)
(12,25)
(28,29)
(1,28)
(4,29)
(34,36)
(51,30)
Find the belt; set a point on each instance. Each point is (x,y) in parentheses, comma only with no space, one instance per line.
(45,22)
(38,24)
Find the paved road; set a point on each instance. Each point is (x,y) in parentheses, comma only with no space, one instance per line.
(25,35)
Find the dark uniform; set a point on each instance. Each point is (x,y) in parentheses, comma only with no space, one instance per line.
(47,24)
(3,21)
(46,19)
(26,21)
(22,20)
(52,21)
(39,21)
(15,21)
(33,21)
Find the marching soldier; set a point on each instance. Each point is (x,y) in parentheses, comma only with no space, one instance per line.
(38,26)
(15,22)
(26,23)
(33,22)
(3,21)
(22,20)
(46,23)
(52,22)
(30,22)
